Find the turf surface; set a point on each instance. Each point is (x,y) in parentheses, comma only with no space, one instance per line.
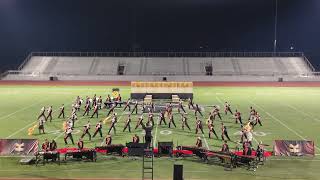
(287,113)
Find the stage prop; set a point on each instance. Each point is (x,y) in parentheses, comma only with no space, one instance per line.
(50,156)
(165,148)
(23,147)
(136,149)
(111,149)
(294,148)
(89,154)
(161,90)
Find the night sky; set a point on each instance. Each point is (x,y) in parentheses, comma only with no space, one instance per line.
(156,25)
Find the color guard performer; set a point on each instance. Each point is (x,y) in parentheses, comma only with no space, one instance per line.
(42,111)
(197,109)
(68,134)
(41,125)
(225,147)
(224,132)
(150,117)
(162,118)
(185,122)
(227,108)
(171,120)
(112,109)
(86,129)
(61,111)
(211,130)
(238,117)
(135,108)
(135,139)
(127,105)
(190,103)
(98,129)
(80,144)
(86,109)
(216,112)
(127,124)
(258,119)
(95,111)
(140,122)
(108,140)
(113,123)
(180,106)
(49,113)
(252,113)
(199,142)
(199,125)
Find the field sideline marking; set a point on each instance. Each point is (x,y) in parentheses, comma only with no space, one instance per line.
(301,112)
(283,124)
(237,108)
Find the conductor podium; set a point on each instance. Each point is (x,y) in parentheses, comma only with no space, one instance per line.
(161,90)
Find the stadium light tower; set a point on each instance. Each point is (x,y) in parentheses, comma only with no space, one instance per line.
(275,28)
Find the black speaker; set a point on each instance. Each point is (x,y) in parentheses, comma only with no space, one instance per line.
(165,148)
(53,78)
(164,78)
(280,79)
(177,172)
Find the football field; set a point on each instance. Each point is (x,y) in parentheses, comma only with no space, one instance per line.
(290,113)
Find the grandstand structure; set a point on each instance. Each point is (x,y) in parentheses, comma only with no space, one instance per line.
(160,66)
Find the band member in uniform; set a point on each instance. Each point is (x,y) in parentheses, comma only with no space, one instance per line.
(86,129)
(113,123)
(148,134)
(53,145)
(135,139)
(80,144)
(224,132)
(225,147)
(162,118)
(68,134)
(41,125)
(99,102)
(185,122)
(127,105)
(199,142)
(87,109)
(42,111)
(49,113)
(95,111)
(111,110)
(197,109)
(45,146)
(211,130)
(252,113)
(127,124)
(227,108)
(169,110)
(98,129)
(108,140)
(238,117)
(119,100)
(135,108)
(181,106)
(140,122)
(108,101)
(94,100)
(199,125)
(190,103)
(216,112)
(61,111)
(150,117)
(258,119)
(171,120)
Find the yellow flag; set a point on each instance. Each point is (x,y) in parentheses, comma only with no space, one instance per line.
(31,130)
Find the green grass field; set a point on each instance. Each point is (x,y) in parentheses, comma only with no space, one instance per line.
(287,113)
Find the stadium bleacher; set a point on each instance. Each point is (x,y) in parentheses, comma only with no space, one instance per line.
(265,68)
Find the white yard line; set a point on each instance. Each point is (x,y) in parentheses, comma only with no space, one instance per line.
(155,137)
(27,107)
(282,123)
(237,108)
(301,112)
(205,140)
